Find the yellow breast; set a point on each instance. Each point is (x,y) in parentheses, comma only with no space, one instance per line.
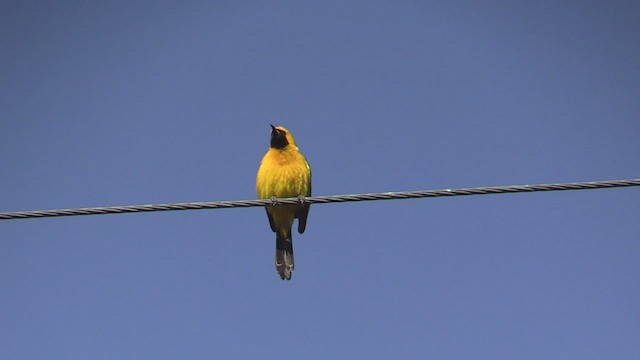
(283,173)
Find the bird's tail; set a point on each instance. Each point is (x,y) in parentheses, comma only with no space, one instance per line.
(284,255)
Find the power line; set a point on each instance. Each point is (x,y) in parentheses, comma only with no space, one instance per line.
(321,199)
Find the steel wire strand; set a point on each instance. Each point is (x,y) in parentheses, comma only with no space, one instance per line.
(321,199)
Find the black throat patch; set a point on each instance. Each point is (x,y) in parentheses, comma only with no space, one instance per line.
(278,139)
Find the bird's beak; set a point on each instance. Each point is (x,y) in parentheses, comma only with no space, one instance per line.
(273,128)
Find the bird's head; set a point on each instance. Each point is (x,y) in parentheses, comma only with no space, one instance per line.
(281,137)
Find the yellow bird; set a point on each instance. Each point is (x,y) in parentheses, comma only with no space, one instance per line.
(284,172)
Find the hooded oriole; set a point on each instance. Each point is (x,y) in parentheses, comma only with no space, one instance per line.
(284,172)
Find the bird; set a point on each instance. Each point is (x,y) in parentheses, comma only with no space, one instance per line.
(284,172)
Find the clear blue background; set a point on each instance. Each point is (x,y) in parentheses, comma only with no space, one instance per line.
(119,103)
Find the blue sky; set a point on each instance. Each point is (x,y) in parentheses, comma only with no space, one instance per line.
(118,103)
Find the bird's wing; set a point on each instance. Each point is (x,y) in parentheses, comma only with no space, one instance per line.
(301,214)
(273,226)
(303,211)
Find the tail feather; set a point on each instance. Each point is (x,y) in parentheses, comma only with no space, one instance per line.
(284,256)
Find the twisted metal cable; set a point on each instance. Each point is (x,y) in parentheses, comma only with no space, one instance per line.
(321,199)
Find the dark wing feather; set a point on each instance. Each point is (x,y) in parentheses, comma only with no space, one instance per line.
(301,214)
(303,211)
(273,226)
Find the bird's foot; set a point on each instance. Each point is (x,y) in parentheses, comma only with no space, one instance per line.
(274,201)
(301,199)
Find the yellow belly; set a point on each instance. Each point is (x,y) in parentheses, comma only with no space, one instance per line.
(283,174)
